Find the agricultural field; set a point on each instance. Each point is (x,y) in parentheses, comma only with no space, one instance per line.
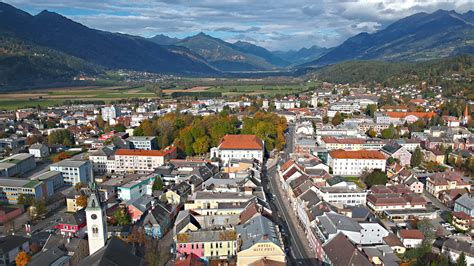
(57,96)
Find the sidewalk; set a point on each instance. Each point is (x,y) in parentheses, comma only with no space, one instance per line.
(294,220)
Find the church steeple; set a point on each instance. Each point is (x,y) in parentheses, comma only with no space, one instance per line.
(466,116)
(96,221)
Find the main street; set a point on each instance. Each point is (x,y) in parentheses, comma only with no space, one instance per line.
(296,241)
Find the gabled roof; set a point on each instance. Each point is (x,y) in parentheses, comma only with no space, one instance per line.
(241,142)
(115,252)
(10,242)
(258,229)
(411,234)
(342,252)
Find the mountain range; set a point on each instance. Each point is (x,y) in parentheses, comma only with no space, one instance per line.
(419,37)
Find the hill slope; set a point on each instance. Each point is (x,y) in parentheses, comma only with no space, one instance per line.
(380,71)
(223,55)
(418,37)
(302,55)
(103,48)
(259,51)
(24,64)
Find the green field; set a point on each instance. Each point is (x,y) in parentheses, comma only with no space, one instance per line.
(57,96)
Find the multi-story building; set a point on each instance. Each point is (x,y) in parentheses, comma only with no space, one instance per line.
(397,151)
(143,143)
(354,163)
(207,203)
(343,193)
(207,244)
(447,180)
(465,204)
(239,147)
(259,239)
(17,164)
(142,160)
(74,171)
(395,197)
(11,189)
(136,188)
(103,160)
(110,112)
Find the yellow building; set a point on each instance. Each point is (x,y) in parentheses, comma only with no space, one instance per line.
(259,239)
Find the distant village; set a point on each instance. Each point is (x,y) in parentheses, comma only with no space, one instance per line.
(349,176)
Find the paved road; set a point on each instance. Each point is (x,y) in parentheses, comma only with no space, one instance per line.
(295,242)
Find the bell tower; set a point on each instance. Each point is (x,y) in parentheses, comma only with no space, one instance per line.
(96,221)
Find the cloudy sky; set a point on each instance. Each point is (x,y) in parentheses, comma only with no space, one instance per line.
(274,24)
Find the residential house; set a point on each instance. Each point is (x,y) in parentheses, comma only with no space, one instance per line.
(396,151)
(435,155)
(396,197)
(72,224)
(337,250)
(443,181)
(394,242)
(453,248)
(39,150)
(159,220)
(10,246)
(411,238)
(136,207)
(207,244)
(103,160)
(465,204)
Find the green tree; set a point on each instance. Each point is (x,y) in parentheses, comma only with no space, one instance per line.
(416,157)
(461,261)
(426,228)
(41,209)
(371,109)
(100,121)
(25,199)
(138,132)
(201,145)
(158,184)
(337,119)
(121,216)
(377,177)
(120,128)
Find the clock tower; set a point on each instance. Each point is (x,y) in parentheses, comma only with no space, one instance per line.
(96,221)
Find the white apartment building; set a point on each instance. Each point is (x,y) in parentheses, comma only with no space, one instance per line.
(142,160)
(74,171)
(348,107)
(354,163)
(39,150)
(103,161)
(143,143)
(110,112)
(239,147)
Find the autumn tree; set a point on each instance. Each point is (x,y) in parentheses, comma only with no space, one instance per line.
(201,145)
(121,216)
(81,201)
(22,258)
(60,156)
(337,119)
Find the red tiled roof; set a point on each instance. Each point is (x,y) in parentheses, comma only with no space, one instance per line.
(428,115)
(241,142)
(126,152)
(287,165)
(462,215)
(411,234)
(360,154)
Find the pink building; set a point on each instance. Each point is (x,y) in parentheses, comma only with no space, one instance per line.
(8,213)
(73,224)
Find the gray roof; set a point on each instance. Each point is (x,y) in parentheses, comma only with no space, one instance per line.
(103,152)
(47,257)
(333,222)
(10,242)
(70,163)
(115,252)
(459,246)
(259,229)
(37,146)
(142,203)
(466,201)
(341,251)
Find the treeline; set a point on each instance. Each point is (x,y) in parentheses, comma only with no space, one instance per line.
(395,73)
(207,94)
(196,134)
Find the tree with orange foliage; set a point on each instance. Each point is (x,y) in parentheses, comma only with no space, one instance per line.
(22,258)
(60,156)
(81,201)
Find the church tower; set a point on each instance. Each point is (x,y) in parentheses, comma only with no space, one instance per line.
(96,221)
